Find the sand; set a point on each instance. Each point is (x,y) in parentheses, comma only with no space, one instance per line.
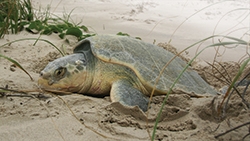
(43,116)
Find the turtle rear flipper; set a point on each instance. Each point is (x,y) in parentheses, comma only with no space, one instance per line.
(123,91)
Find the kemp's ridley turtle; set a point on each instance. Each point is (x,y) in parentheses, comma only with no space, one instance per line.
(125,67)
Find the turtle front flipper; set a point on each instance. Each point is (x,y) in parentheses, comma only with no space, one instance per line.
(123,91)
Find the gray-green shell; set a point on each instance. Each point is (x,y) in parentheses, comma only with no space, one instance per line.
(147,61)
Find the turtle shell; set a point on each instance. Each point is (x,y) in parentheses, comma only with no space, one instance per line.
(147,61)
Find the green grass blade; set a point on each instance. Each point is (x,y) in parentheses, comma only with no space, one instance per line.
(17,64)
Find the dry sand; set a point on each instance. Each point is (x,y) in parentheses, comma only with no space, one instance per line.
(78,117)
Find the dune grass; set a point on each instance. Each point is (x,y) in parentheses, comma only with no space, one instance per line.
(17,15)
(14,15)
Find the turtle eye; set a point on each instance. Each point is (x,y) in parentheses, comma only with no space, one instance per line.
(60,72)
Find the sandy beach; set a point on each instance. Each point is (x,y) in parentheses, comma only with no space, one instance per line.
(43,116)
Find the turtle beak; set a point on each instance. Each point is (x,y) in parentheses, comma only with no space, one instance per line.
(45,79)
(44,75)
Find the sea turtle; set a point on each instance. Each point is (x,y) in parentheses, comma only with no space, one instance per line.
(125,67)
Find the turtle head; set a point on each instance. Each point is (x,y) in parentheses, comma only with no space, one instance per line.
(66,74)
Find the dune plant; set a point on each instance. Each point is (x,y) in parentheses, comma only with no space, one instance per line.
(14,15)
(17,15)
(58,26)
